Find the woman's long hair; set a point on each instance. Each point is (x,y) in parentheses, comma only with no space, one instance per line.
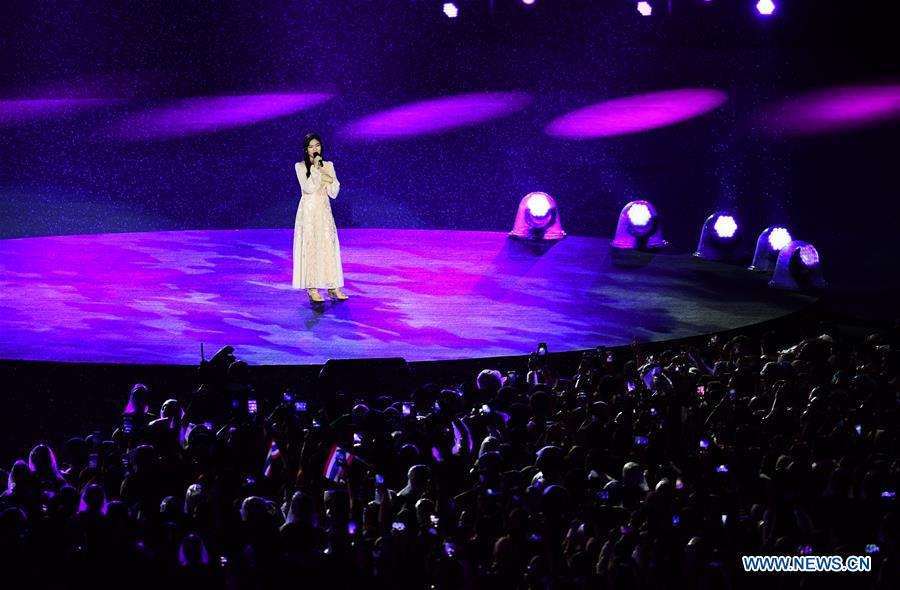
(306,141)
(42,462)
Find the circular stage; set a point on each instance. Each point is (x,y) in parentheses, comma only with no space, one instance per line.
(153,298)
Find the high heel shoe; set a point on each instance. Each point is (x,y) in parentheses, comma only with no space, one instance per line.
(314,296)
(337,294)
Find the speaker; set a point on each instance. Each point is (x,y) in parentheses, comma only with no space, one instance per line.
(366,378)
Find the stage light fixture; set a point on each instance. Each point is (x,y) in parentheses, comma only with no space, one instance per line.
(644,8)
(798,268)
(638,228)
(765,7)
(528,2)
(771,241)
(718,238)
(537,218)
(450,9)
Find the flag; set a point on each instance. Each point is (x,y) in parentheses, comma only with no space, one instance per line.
(336,465)
(273,456)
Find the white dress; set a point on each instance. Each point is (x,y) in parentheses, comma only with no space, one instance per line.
(317,253)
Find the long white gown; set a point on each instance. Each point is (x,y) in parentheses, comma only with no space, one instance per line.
(317,253)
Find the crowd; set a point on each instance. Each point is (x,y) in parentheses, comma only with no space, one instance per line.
(654,468)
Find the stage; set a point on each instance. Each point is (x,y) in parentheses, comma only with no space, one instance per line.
(153,298)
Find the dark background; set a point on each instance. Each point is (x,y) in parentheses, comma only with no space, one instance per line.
(65,175)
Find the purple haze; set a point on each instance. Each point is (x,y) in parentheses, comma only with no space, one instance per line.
(635,114)
(210,114)
(437,115)
(25,110)
(834,109)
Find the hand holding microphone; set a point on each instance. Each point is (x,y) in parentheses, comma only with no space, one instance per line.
(326,178)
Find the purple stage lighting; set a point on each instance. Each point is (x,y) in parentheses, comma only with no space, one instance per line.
(635,114)
(436,115)
(638,228)
(833,110)
(26,110)
(210,114)
(770,242)
(809,256)
(639,214)
(725,226)
(528,2)
(765,7)
(450,9)
(779,238)
(537,218)
(538,205)
(718,238)
(798,268)
(644,8)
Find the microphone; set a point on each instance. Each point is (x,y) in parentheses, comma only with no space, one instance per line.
(318,157)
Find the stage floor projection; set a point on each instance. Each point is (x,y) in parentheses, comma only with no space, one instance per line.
(153,298)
